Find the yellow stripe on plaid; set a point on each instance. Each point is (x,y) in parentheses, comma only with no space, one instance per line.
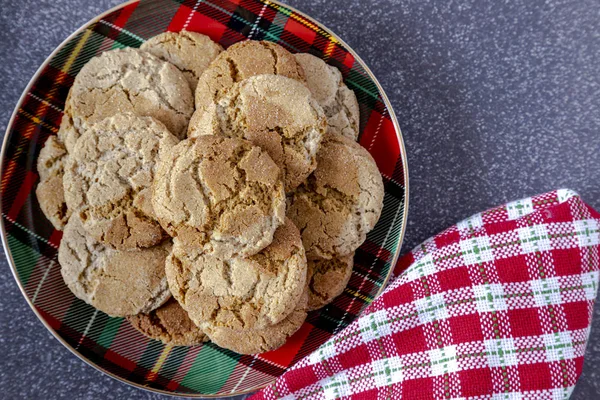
(69,63)
(159,362)
(36,120)
(358,295)
(11,165)
(301,20)
(76,51)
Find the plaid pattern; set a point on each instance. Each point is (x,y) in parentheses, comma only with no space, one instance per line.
(31,241)
(497,307)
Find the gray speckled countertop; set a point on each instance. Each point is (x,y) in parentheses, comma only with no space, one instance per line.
(496,100)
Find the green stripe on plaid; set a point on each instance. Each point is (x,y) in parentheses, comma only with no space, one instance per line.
(109,331)
(24,257)
(210,371)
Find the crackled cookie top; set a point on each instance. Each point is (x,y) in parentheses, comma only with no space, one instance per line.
(170,324)
(190,52)
(339,103)
(220,194)
(108,179)
(276,113)
(49,192)
(118,283)
(240,293)
(239,62)
(253,341)
(327,279)
(340,202)
(67,134)
(130,80)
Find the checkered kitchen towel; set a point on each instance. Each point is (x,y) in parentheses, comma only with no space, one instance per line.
(496,307)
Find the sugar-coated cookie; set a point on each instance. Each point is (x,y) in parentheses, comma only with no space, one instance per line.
(239,62)
(190,52)
(276,113)
(240,293)
(222,195)
(129,80)
(253,341)
(50,192)
(327,279)
(340,202)
(338,101)
(67,134)
(119,283)
(108,179)
(170,324)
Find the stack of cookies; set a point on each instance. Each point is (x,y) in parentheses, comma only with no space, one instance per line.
(209,194)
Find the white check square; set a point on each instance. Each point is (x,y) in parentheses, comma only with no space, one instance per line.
(471,223)
(565,194)
(590,284)
(424,267)
(443,361)
(587,232)
(490,298)
(323,353)
(476,250)
(559,346)
(546,292)
(432,308)
(387,371)
(375,326)
(336,386)
(501,352)
(519,208)
(534,238)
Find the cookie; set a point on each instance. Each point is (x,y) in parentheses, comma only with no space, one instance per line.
(190,52)
(223,195)
(119,283)
(108,179)
(49,192)
(67,134)
(276,113)
(240,293)
(327,279)
(327,87)
(340,202)
(130,80)
(253,341)
(170,324)
(239,62)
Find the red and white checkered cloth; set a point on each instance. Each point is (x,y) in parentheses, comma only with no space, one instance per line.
(496,307)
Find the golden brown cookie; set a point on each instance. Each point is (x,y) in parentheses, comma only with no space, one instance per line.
(338,102)
(119,283)
(108,179)
(129,80)
(170,324)
(67,134)
(240,293)
(190,52)
(239,62)
(253,341)
(223,195)
(327,279)
(49,192)
(276,113)
(340,202)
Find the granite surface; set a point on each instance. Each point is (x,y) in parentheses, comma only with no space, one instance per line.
(496,100)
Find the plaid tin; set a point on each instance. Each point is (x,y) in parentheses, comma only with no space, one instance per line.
(31,242)
(496,307)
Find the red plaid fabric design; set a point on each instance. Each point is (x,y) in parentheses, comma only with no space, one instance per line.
(496,307)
